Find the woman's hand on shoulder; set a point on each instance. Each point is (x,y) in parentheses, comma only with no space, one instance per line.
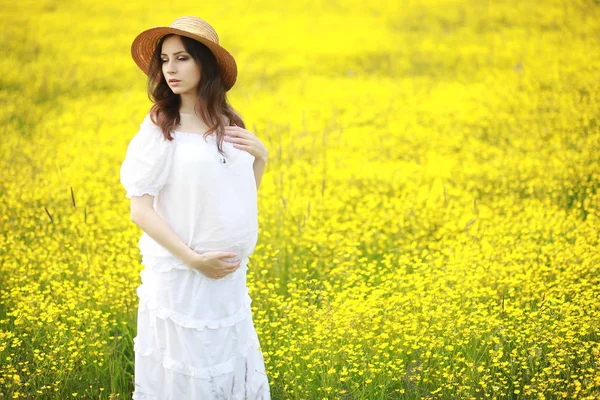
(243,139)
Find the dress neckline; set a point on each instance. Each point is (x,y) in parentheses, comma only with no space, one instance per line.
(212,135)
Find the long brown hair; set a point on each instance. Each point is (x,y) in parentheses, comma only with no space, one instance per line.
(211,93)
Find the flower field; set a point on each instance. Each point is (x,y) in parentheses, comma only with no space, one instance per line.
(429,214)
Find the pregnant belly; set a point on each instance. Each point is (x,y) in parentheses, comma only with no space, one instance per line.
(240,243)
(225,219)
(242,247)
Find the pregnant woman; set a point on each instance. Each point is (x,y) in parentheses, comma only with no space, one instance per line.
(192,173)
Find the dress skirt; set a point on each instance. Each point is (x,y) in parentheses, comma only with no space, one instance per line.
(195,335)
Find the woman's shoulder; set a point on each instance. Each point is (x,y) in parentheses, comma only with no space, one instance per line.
(150,137)
(148,125)
(147,121)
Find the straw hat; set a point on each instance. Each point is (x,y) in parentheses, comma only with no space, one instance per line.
(145,43)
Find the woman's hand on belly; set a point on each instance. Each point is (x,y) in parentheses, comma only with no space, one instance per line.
(211,263)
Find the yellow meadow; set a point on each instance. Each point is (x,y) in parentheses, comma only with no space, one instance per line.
(429,214)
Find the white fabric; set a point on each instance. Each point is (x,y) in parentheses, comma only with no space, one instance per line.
(195,335)
(209,204)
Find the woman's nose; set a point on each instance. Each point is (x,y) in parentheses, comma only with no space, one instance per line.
(170,68)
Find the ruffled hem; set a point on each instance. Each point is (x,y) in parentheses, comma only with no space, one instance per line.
(186,321)
(140,192)
(143,396)
(186,369)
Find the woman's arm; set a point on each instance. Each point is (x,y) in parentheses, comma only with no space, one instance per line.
(259,168)
(143,215)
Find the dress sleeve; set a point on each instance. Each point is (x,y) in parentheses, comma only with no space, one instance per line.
(147,161)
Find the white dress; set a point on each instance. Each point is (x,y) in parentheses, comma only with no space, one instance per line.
(195,335)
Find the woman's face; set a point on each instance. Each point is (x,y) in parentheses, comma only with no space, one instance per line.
(178,64)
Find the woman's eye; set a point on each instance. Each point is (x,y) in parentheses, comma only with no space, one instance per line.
(182,59)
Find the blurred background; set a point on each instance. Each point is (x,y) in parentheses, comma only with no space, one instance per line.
(429,214)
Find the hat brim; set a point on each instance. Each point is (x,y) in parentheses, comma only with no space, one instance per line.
(145,43)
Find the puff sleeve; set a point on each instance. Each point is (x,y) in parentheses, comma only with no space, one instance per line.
(147,162)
